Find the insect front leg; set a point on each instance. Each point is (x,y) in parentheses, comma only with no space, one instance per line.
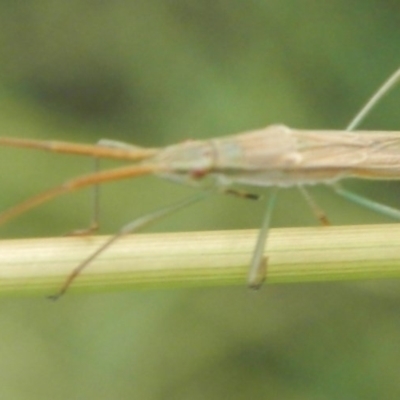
(94,224)
(133,226)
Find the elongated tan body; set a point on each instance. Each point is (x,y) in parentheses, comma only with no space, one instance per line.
(280,156)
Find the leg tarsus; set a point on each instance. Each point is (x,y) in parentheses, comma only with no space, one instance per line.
(94,227)
(259,279)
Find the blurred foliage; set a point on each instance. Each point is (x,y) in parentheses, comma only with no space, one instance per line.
(153,73)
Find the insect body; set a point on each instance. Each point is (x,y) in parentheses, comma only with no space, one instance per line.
(276,156)
(280,156)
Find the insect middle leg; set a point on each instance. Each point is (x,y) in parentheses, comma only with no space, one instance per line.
(316,209)
(259,263)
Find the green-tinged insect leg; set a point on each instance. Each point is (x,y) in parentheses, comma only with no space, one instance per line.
(133,226)
(374,100)
(365,202)
(95,218)
(258,266)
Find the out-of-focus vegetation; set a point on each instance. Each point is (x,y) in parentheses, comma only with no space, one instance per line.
(154,73)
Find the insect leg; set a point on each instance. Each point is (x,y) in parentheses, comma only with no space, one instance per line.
(94,224)
(133,226)
(258,266)
(374,100)
(316,209)
(242,194)
(363,201)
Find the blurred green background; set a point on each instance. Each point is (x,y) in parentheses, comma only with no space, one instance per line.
(158,72)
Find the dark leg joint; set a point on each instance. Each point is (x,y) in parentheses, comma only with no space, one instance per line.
(242,194)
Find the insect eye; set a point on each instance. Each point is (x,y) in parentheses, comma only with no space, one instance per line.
(198,173)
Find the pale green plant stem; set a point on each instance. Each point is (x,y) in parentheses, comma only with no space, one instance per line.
(39,266)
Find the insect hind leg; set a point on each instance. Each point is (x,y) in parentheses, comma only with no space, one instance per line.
(374,100)
(367,203)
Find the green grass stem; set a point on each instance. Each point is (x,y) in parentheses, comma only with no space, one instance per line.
(39,266)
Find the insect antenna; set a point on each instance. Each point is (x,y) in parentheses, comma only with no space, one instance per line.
(128,153)
(76,184)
